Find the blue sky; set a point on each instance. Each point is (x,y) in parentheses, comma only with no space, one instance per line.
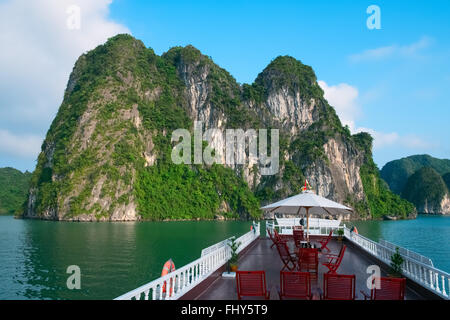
(393,82)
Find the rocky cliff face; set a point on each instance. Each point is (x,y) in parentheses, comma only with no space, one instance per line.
(107,153)
(337,179)
(433,207)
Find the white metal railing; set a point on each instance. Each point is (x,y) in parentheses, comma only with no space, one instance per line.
(215,247)
(433,279)
(177,283)
(407,252)
(320,227)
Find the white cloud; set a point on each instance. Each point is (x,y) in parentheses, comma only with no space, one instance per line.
(413,142)
(392,51)
(344,98)
(38,53)
(392,139)
(373,54)
(23,146)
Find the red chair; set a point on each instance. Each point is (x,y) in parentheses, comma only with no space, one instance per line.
(299,236)
(251,284)
(295,285)
(338,287)
(390,289)
(271,238)
(334,261)
(279,237)
(324,242)
(288,259)
(308,260)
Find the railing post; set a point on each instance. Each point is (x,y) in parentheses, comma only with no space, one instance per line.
(424,275)
(436,278)
(444,292)
(431,279)
(178,284)
(448,294)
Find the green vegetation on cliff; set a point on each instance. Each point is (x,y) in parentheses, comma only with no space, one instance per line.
(162,191)
(446,178)
(425,188)
(67,169)
(14,187)
(288,72)
(380,200)
(193,193)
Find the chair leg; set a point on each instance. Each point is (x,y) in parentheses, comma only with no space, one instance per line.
(286,266)
(294,266)
(331,271)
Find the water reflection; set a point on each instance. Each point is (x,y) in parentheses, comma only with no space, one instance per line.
(113,257)
(100,250)
(370,229)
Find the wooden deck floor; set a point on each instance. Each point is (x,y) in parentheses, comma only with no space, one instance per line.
(261,257)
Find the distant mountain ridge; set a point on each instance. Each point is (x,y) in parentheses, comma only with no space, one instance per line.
(422,180)
(14,186)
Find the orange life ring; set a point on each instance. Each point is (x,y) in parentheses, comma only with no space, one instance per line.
(168,267)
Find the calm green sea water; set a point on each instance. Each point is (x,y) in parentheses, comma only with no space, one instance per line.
(114,258)
(428,235)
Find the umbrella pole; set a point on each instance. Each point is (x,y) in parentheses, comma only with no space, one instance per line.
(307,221)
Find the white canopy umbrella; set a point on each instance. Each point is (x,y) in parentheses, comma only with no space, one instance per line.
(310,203)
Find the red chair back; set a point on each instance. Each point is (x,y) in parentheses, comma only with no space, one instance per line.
(309,255)
(334,263)
(270,235)
(338,286)
(390,289)
(325,241)
(309,260)
(341,255)
(251,284)
(283,249)
(295,285)
(286,257)
(277,235)
(298,236)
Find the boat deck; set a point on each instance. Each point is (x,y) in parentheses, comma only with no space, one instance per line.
(260,256)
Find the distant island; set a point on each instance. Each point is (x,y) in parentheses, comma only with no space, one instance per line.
(106,156)
(422,180)
(14,186)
